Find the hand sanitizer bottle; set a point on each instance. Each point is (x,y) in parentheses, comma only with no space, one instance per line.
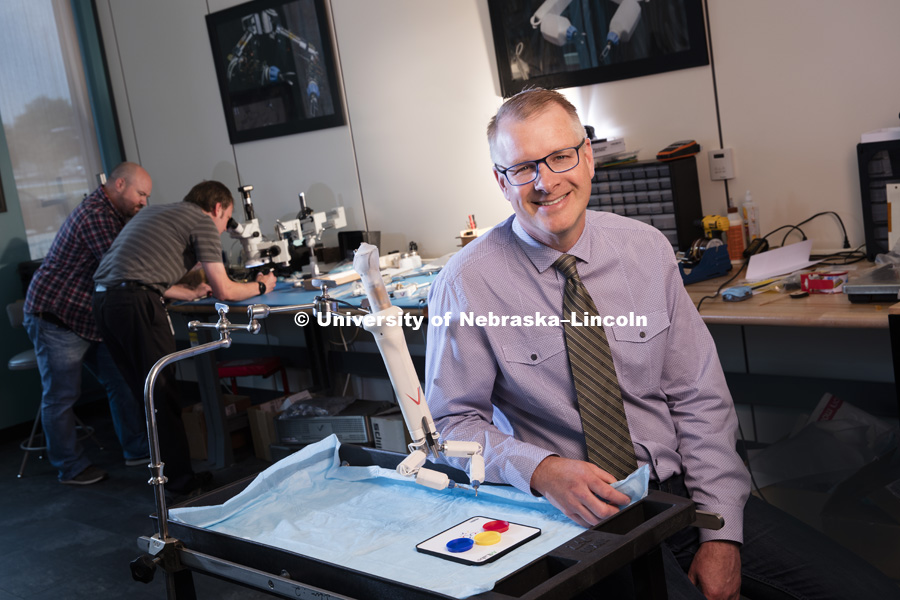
(751,218)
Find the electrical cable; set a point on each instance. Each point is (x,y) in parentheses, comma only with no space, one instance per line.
(346,349)
(846,243)
(356,328)
(838,217)
(791,227)
(343,341)
(733,277)
(850,257)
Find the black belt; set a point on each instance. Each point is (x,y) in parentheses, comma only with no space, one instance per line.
(673,485)
(52,318)
(126,285)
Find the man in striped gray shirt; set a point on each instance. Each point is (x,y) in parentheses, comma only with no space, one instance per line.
(141,269)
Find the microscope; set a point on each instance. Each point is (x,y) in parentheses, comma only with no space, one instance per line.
(256,250)
(307,228)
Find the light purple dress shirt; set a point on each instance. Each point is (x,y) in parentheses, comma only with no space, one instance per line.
(509,387)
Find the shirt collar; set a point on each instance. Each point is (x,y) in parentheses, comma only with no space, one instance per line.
(543,257)
(101,192)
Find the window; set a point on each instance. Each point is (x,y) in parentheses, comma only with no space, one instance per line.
(46,114)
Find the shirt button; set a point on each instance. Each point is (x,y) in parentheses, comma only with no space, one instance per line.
(534,357)
(643,334)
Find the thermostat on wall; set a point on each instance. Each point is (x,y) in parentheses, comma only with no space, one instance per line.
(721,165)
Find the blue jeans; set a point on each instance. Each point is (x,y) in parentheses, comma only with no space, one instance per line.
(781,559)
(60,355)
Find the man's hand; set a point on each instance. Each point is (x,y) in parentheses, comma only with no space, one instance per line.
(269,279)
(716,570)
(202,291)
(579,489)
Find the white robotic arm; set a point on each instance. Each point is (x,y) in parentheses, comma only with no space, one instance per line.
(386,327)
(555,28)
(622,26)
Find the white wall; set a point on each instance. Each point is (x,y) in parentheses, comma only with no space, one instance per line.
(797,82)
(173,123)
(796,88)
(421,89)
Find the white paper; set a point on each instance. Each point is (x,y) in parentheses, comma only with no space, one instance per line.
(780,261)
(881,135)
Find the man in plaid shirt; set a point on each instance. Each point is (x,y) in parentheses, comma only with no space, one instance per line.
(61,325)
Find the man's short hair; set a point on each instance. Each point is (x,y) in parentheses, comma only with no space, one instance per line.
(527,103)
(207,194)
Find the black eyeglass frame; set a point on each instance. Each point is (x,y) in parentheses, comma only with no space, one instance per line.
(537,164)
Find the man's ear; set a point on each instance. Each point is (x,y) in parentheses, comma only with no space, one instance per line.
(589,157)
(502,182)
(219,211)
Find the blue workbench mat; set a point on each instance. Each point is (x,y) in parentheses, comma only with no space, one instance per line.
(370,519)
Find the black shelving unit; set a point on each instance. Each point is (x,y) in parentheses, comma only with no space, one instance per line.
(663,194)
(879,165)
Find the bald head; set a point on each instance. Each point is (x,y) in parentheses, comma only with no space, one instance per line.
(128,188)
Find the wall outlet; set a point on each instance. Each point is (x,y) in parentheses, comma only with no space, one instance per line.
(721,164)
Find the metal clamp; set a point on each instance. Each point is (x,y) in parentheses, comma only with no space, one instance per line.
(157,479)
(708,520)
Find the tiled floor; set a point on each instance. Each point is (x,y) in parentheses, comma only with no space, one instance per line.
(73,543)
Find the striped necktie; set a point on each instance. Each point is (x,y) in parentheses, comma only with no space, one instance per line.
(603,418)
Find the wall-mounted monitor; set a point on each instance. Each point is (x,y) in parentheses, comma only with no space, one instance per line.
(276,69)
(569,43)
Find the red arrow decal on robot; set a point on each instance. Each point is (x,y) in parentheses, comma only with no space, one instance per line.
(417,399)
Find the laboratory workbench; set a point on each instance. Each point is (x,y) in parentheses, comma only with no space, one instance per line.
(303,346)
(773,347)
(775,350)
(773,308)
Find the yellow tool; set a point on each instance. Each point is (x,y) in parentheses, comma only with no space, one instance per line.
(713,223)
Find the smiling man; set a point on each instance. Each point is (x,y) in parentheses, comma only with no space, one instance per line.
(567,409)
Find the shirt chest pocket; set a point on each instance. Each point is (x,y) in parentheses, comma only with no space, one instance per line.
(639,351)
(533,369)
(535,351)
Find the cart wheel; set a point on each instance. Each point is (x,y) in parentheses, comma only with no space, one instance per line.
(143,569)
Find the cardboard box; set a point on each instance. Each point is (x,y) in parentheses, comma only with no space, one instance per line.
(195,425)
(389,431)
(262,427)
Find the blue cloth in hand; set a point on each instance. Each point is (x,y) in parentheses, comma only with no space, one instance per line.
(636,485)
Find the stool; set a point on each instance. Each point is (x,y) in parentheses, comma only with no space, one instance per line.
(24,361)
(263,367)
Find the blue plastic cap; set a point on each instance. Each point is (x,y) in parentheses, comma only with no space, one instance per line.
(460,544)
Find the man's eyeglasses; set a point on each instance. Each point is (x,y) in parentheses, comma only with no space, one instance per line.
(558,162)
